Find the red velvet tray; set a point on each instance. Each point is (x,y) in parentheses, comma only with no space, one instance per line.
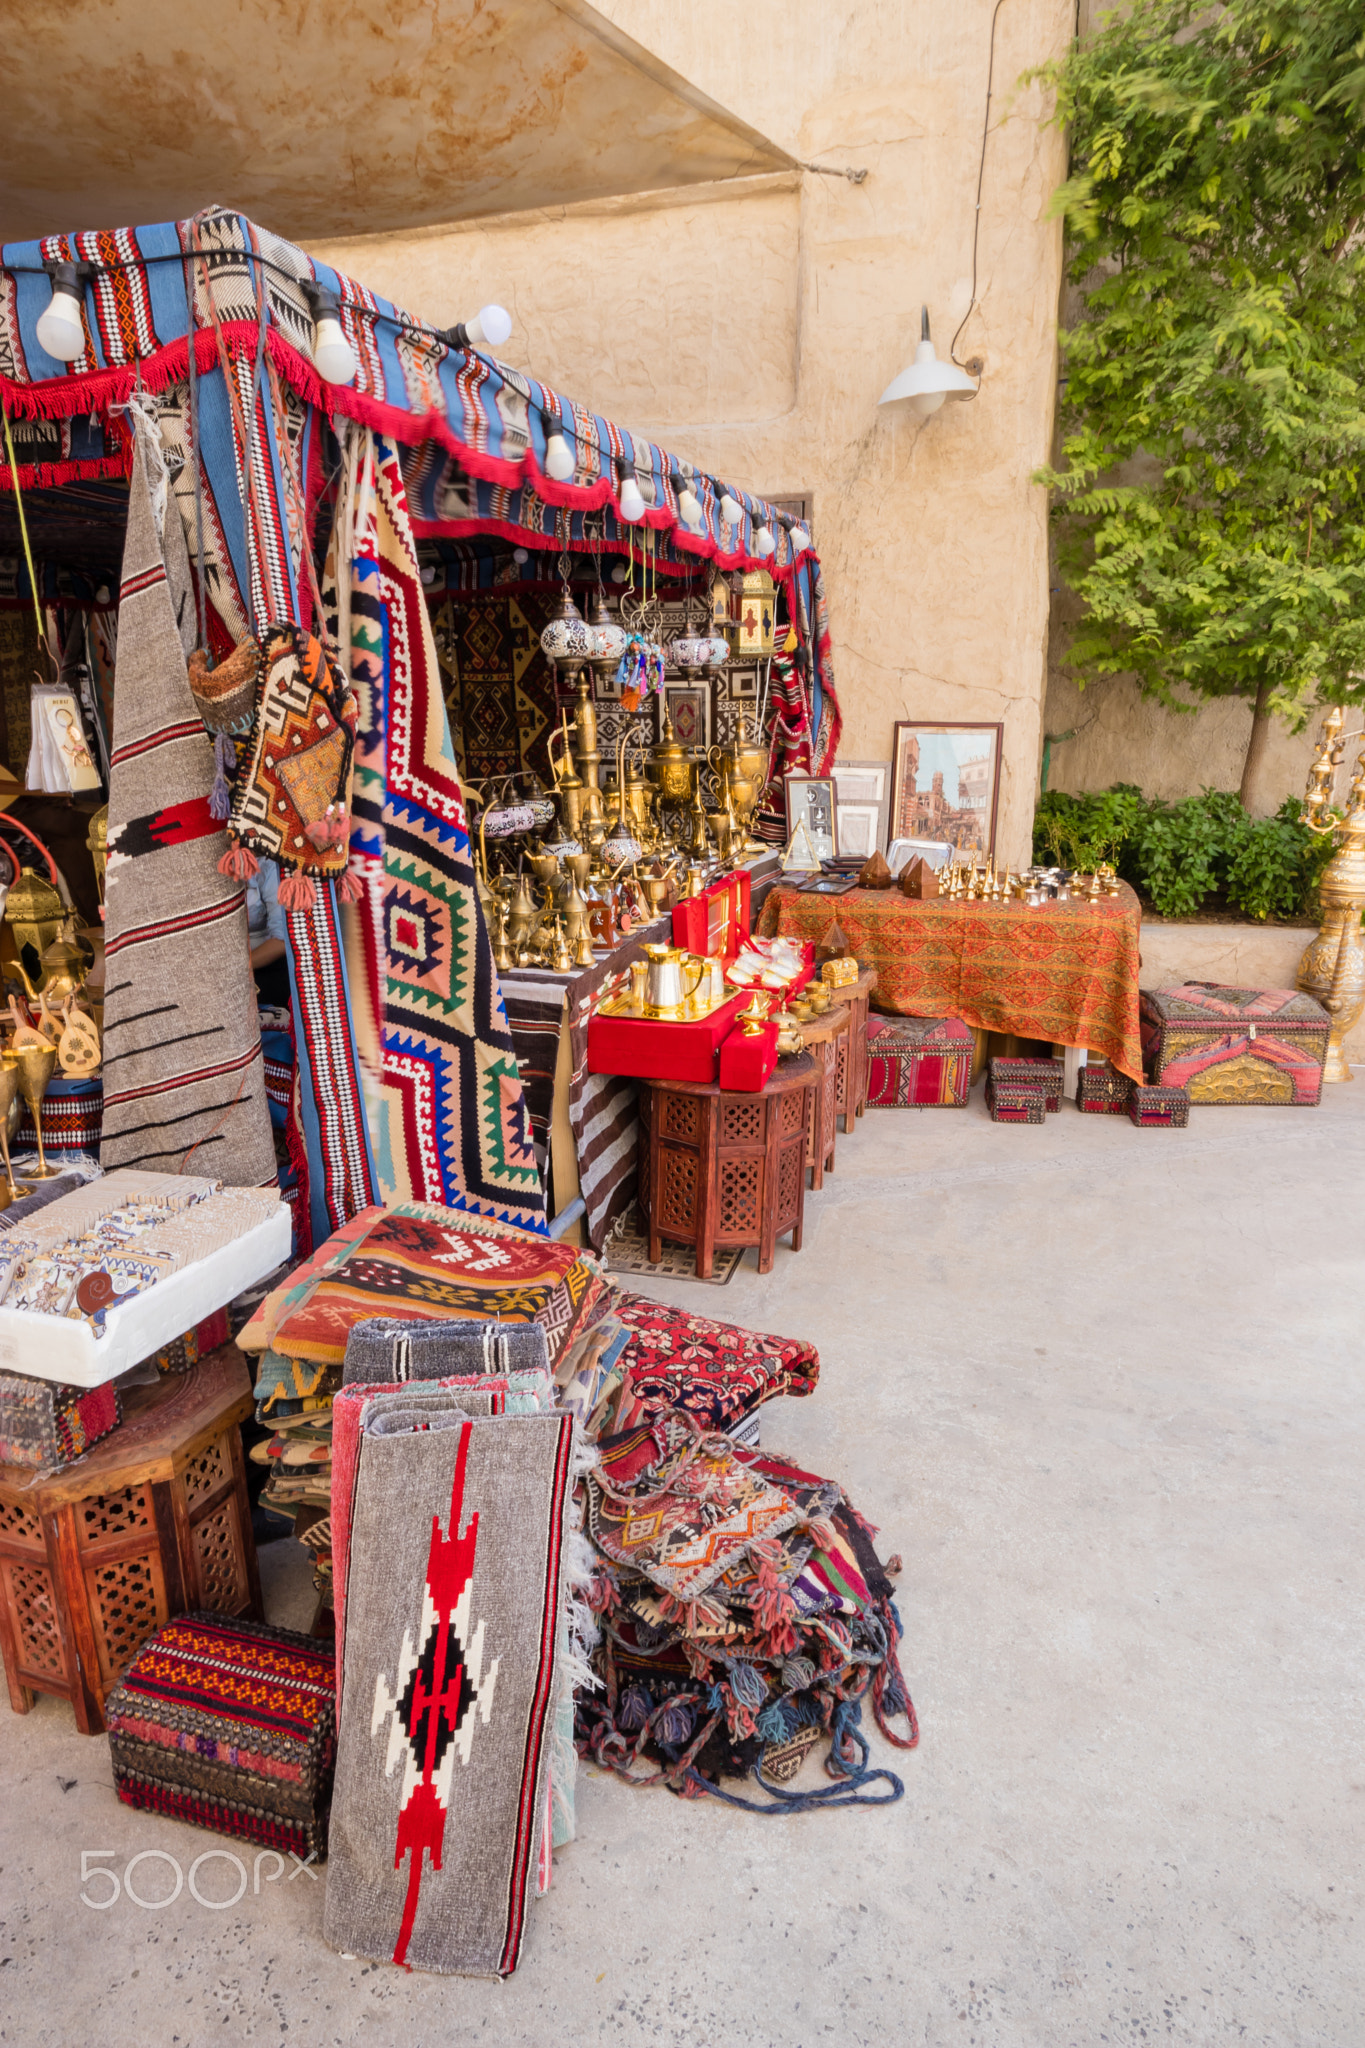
(659,1049)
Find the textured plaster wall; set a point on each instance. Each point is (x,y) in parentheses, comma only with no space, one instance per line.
(753,327)
(1122,736)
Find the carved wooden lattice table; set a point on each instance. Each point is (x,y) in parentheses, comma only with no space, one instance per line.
(851,1081)
(153,1522)
(721,1168)
(823,1038)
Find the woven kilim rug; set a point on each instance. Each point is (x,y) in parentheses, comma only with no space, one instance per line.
(443,1092)
(452,1649)
(627,1251)
(182,1047)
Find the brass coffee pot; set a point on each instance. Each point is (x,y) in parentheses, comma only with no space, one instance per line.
(670,768)
(665,987)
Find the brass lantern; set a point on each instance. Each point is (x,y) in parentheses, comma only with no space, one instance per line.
(753,615)
(36,914)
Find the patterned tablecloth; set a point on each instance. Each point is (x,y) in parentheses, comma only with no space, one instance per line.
(1066,972)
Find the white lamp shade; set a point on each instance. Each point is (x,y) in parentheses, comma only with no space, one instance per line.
(928,382)
(60,329)
(632,503)
(558,457)
(731,511)
(490,327)
(333,355)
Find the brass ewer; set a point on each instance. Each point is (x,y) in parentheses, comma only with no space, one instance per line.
(1333,967)
(670,767)
(36,914)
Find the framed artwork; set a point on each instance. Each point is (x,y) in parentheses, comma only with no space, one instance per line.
(811,802)
(861,787)
(945,785)
(744,685)
(688,708)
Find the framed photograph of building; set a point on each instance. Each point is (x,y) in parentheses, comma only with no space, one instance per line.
(945,785)
(811,802)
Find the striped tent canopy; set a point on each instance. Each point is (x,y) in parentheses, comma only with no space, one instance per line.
(473,429)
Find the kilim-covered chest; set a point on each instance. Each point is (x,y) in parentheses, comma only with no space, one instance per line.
(1159,1108)
(1047,1074)
(1235,1045)
(230,1725)
(918,1063)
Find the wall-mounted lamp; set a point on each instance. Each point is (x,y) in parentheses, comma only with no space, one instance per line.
(61,330)
(928,382)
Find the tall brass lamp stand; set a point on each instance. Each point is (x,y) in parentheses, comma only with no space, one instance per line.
(1333,967)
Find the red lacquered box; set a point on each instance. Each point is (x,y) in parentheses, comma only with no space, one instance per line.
(662,1049)
(747,1062)
(717,921)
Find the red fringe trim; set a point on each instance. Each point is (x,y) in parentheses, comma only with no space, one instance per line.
(64,397)
(45,476)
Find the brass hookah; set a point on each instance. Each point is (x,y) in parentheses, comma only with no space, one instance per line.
(1333,966)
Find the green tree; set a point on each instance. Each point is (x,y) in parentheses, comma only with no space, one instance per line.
(1211,497)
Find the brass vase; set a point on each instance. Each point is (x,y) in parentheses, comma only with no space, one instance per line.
(9,1092)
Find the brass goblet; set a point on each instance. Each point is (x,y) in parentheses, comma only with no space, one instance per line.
(35,1071)
(9,1089)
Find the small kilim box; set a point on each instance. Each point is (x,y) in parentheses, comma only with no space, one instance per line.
(1235,1045)
(229,1725)
(918,1063)
(1016,1102)
(1049,1075)
(1101,1090)
(1159,1108)
(839,973)
(46,1426)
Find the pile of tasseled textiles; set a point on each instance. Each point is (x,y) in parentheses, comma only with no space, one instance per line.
(537,1523)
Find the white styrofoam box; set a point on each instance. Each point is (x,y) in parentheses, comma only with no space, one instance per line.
(65,1348)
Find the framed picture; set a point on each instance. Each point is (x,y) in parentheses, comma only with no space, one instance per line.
(744,685)
(811,802)
(688,708)
(945,785)
(861,788)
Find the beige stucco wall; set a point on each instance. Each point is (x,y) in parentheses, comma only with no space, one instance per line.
(752,327)
(1122,736)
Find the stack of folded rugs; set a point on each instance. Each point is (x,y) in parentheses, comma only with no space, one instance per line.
(544,1540)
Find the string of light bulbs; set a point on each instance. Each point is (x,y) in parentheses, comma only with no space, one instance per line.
(61,332)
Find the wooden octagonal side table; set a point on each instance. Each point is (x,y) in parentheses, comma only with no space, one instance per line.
(851,1086)
(720,1168)
(822,1038)
(153,1522)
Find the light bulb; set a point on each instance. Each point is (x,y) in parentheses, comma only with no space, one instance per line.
(333,356)
(632,502)
(800,540)
(731,511)
(61,331)
(521,554)
(618,574)
(490,327)
(689,508)
(559,462)
(763,541)
(926,402)
(428,574)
